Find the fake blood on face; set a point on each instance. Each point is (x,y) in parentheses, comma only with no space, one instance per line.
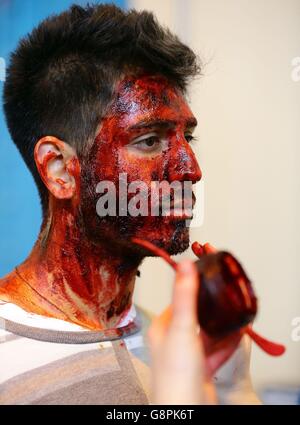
(82,267)
(144,105)
(226,300)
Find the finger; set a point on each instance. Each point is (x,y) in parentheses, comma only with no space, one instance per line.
(209,249)
(218,351)
(197,249)
(185,295)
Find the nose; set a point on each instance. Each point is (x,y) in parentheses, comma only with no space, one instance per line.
(183,165)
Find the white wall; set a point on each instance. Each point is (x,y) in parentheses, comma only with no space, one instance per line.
(248,108)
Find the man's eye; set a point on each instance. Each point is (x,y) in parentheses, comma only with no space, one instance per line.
(150,143)
(189,138)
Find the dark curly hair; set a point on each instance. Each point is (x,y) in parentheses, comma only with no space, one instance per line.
(61,78)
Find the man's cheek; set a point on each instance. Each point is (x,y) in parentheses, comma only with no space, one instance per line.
(141,168)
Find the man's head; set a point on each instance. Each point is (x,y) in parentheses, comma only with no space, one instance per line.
(108,87)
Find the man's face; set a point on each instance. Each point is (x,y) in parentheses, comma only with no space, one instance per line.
(144,136)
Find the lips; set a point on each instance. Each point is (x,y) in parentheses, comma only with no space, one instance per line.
(180,208)
(186,203)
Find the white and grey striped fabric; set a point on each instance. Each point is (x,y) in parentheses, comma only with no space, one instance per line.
(44,365)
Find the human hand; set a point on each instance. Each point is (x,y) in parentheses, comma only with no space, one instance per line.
(184,361)
(232,377)
(180,373)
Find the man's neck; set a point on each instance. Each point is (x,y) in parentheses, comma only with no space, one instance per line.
(68,277)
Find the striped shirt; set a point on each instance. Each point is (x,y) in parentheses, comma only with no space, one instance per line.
(50,361)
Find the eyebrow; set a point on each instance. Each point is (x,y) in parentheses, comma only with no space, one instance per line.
(162,124)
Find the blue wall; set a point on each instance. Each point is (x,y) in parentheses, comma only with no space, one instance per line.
(20,213)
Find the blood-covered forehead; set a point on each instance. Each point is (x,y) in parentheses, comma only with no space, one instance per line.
(147,98)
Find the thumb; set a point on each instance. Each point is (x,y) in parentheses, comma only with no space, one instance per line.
(185,295)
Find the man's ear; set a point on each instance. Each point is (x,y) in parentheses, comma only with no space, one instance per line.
(57,162)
